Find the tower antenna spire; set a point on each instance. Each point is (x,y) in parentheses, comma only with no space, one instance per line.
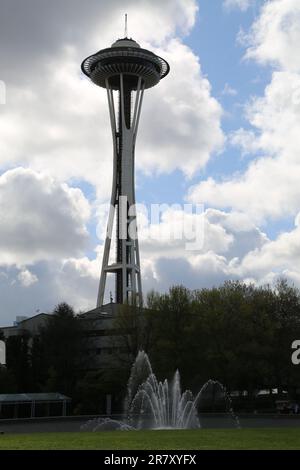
(126,25)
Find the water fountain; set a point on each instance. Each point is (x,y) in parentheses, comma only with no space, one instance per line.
(151,404)
(154,404)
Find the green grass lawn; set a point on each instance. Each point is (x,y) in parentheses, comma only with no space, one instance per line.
(284,438)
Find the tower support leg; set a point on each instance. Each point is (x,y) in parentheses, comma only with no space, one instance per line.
(126,266)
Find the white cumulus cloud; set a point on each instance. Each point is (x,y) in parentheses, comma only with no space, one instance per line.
(26,278)
(242,5)
(275,36)
(40,218)
(269,188)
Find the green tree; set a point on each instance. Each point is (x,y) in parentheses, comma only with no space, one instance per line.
(60,345)
(170,318)
(18,361)
(286,317)
(8,382)
(131,332)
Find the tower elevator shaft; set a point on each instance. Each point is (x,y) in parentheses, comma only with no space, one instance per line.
(126,265)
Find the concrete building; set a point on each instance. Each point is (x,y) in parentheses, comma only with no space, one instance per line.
(101,337)
(25,326)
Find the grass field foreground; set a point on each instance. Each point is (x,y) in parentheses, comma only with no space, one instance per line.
(203,439)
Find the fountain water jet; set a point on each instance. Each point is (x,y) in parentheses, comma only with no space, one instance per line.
(154,404)
(151,404)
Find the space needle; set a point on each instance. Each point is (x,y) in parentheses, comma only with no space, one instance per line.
(126,71)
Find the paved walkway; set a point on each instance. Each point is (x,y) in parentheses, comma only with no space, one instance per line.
(72,424)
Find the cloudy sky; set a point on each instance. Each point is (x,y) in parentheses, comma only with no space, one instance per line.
(223,130)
